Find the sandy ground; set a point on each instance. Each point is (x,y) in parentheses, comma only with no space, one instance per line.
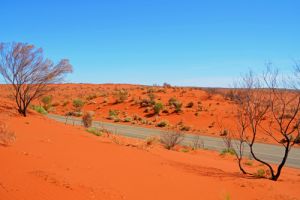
(53,161)
(211,111)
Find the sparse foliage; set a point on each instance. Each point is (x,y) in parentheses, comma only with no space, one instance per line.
(266,106)
(87,119)
(121,96)
(171,139)
(29,73)
(47,102)
(78,104)
(158,106)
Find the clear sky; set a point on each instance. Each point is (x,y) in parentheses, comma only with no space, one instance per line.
(182,42)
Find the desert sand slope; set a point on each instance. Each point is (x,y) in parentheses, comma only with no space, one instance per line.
(52,161)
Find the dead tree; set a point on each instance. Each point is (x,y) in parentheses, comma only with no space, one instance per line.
(29,73)
(267,107)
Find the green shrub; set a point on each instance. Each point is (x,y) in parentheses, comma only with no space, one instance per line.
(78,104)
(172,101)
(65,103)
(128,119)
(94,131)
(151,98)
(112,114)
(47,100)
(162,124)
(178,106)
(158,107)
(230,151)
(260,173)
(39,109)
(145,103)
(249,163)
(184,150)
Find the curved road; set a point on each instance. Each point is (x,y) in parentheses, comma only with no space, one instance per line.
(268,152)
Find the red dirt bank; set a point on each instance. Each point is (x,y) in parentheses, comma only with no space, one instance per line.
(54,161)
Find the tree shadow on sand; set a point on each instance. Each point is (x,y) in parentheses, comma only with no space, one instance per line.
(209,171)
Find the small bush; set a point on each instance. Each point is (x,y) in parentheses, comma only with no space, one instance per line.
(94,131)
(78,104)
(185,128)
(121,96)
(230,151)
(162,124)
(113,114)
(178,106)
(117,119)
(91,97)
(65,103)
(158,107)
(185,150)
(137,118)
(172,101)
(190,104)
(165,111)
(128,119)
(40,109)
(260,173)
(47,100)
(87,119)
(152,98)
(249,163)
(171,139)
(151,140)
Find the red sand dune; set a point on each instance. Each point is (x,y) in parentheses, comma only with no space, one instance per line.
(53,161)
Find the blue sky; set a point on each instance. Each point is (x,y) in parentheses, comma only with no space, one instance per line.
(201,43)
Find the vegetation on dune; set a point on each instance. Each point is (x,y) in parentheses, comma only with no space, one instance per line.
(39,109)
(47,102)
(171,139)
(78,104)
(94,131)
(158,107)
(162,124)
(263,105)
(121,95)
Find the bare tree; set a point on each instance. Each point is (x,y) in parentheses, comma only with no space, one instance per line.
(267,107)
(29,73)
(171,139)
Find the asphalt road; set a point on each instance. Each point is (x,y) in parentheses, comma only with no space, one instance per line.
(267,152)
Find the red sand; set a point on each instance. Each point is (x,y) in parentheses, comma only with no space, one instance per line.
(53,161)
(205,117)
